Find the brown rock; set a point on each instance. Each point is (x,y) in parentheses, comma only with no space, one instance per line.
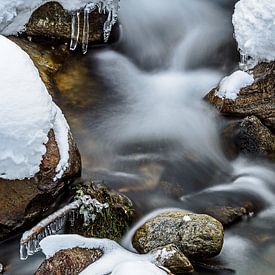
(47,59)
(228,215)
(249,136)
(257,99)
(52,21)
(69,262)
(24,202)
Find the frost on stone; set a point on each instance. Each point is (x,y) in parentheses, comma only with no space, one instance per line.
(82,205)
(89,207)
(230,86)
(254,27)
(115,258)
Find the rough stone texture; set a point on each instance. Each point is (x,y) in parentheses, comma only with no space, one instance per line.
(24,202)
(52,21)
(249,136)
(172,258)
(257,99)
(69,262)
(113,222)
(48,59)
(197,236)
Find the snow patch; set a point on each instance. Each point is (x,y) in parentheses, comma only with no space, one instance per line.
(231,85)
(254,24)
(115,258)
(27,114)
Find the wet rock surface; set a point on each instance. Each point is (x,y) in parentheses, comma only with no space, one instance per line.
(47,58)
(197,236)
(172,258)
(52,21)
(112,222)
(255,100)
(69,261)
(24,202)
(250,137)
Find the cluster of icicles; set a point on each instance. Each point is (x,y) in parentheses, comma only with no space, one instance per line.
(55,223)
(104,6)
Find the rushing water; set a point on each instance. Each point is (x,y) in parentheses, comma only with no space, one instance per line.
(137,112)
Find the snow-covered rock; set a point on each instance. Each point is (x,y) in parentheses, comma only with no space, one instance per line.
(114,257)
(230,86)
(37,153)
(254,24)
(27,115)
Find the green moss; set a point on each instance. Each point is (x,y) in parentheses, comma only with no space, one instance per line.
(113,222)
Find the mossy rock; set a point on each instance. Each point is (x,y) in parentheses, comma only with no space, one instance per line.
(113,222)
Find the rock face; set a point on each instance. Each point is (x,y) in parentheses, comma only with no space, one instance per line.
(197,236)
(52,21)
(24,202)
(70,261)
(113,222)
(173,259)
(255,100)
(249,137)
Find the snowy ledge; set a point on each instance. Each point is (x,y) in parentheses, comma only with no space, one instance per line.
(230,86)
(27,115)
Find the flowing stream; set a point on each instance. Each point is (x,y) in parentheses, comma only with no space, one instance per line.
(137,112)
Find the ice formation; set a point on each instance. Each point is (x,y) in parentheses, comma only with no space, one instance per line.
(14,15)
(254,24)
(230,86)
(114,256)
(27,114)
(83,205)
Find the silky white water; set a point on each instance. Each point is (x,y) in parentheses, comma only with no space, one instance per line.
(149,133)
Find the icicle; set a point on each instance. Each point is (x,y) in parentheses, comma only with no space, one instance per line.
(86,30)
(29,243)
(243,62)
(108,27)
(75,30)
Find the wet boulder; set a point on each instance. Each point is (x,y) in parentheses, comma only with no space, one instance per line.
(250,136)
(107,215)
(51,20)
(24,202)
(69,261)
(257,99)
(197,236)
(172,258)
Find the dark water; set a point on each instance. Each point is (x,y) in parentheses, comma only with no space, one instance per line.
(137,114)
